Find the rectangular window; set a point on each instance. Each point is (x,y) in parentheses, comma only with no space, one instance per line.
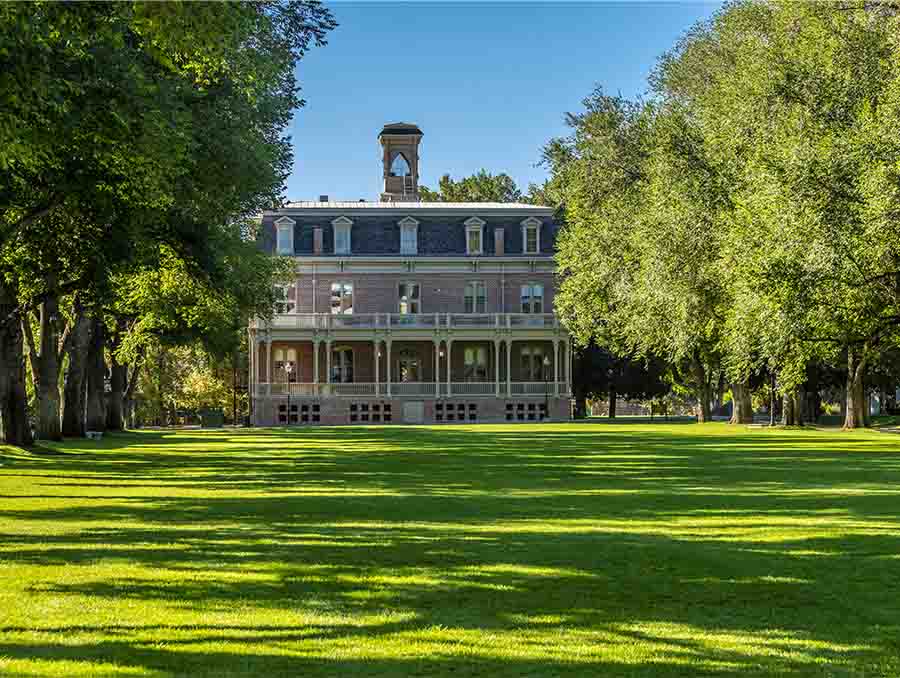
(531,239)
(473,240)
(409,298)
(533,298)
(409,239)
(285,239)
(475,363)
(342,298)
(342,239)
(284,302)
(476,297)
(532,363)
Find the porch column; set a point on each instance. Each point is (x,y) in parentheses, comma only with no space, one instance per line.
(497,366)
(388,372)
(557,356)
(509,368)
(377,348)
(449,365)
(567,378)
(328,361)
(269,363)
(437,369)
(316,343)
(251,345)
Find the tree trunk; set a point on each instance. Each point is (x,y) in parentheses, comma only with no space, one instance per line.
(75,389)
(45,365)
(800,414)
(856,412)
(580,406)
(13,396)
(742,403)
(118,381)
(128,398)
(788,416)
(96,377)
(117,375)
(612,402)
(703,391)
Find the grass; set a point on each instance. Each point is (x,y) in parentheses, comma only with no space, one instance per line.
(532,550)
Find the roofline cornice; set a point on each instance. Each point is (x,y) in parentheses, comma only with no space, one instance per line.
(403,211)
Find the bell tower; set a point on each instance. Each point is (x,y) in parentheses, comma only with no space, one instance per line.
(400,161)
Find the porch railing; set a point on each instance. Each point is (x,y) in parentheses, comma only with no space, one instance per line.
(467,388)
(328,321)
(412,388)
(426,389)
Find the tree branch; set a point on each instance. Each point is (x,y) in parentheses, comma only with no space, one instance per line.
(36,214)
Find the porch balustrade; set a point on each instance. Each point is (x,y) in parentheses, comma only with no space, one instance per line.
(410,389)
(334,321)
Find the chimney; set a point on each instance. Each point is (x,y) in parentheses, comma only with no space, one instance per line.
(499,233)
(317,240)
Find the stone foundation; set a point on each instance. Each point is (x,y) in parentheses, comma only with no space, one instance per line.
(362,410)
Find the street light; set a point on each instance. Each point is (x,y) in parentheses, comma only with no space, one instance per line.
(546,387)
(289,367)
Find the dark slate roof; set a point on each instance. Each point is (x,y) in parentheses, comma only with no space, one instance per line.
(376,232)
(400,128)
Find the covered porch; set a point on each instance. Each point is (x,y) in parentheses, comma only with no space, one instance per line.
(395,368)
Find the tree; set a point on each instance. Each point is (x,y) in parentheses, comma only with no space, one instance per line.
(137,124)
(805,99)
(480,187)
(599,373)
(639,253)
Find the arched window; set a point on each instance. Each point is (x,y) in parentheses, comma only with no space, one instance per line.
(399,166)
(408,366)
(342,365)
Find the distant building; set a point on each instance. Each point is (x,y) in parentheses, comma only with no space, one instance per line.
(409,312)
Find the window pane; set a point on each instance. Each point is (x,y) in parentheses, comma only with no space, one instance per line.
(537,294)
(474,243)
(531,239)
(342,298)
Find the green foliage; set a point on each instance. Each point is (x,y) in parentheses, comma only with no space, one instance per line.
(747,216)
(480,187)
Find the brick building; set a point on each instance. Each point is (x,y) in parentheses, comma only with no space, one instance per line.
(409,311)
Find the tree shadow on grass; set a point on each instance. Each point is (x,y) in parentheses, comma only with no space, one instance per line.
(547,540)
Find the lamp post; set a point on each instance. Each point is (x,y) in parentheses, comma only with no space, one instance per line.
(289,367)
(546,387)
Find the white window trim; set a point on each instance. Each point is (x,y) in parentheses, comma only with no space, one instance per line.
(532,297)
(343,224)
(418,299)
(475,297)
(475,224)
(531,222)
(285,225)
(409,224)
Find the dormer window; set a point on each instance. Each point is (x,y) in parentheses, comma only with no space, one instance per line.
(474,236)
(284,231)
(342,235)
(531,236)
(409,236)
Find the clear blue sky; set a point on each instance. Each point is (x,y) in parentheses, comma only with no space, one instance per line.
(488,83)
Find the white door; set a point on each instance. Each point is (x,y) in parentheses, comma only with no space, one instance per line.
(413,412)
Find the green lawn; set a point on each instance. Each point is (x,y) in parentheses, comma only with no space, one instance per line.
(531,550)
